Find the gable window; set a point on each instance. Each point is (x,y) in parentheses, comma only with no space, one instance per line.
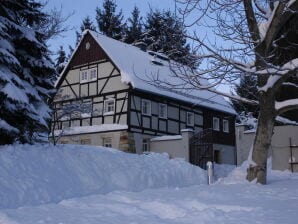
(162,110)
(84,76)
(225,126)
(92,75)
(146,107)
(216,123)
(107,142)
(109,106)
(190,121)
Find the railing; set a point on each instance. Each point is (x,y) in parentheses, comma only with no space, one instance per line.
(201,148)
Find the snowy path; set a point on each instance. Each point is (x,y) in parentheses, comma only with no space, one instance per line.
(220,203)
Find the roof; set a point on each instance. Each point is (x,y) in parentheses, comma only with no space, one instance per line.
(138,68)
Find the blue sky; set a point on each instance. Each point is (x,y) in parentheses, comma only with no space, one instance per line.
(84,8)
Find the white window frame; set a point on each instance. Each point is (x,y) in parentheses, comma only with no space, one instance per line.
(106,102)
(148,112)
(85,141)
(192,123)
(84,73)
(215,128)
(160,115)
(225,126)
(107,142)
(90,74)
(146,145)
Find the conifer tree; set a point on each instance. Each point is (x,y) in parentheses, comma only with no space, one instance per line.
(26,72)
(60,60)
(165,33)
(110,23)
(86,24)
(247,88)
(133,31)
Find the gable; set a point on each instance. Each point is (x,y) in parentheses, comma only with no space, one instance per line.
(84,55)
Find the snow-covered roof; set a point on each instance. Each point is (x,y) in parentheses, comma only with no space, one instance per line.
(138,67)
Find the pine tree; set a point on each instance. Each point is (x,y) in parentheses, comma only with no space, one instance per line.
(165,33)
(247,88)
(110,23)
(60,60)
(71,50)
(133,32)
(86,24)
(26,72)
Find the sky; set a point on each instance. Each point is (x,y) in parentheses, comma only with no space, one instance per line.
(84,8)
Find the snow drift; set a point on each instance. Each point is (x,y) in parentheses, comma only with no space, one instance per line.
(38,174)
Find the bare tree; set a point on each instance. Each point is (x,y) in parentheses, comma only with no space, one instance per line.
(253,37)
(73,109)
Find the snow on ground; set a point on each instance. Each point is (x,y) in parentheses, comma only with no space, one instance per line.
(33,175)
(230,200)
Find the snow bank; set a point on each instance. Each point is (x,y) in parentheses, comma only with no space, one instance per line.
(32,175)
(238,175)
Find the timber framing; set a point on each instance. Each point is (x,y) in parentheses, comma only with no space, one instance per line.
(127,108)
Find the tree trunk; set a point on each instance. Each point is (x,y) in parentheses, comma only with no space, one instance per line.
(258,167)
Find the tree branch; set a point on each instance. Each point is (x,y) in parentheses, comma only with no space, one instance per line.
(286,105)
(280,15)
(252,22)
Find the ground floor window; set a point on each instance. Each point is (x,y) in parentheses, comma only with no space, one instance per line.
(85,141)
(146,145)
(107,142)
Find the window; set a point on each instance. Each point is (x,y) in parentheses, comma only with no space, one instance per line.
(84,76)
(162,110)
(107,142)
(85,142)
(146,107)
(109,106)
(93,75)
(216,123)
(146,145)
(190,119)
(225,126)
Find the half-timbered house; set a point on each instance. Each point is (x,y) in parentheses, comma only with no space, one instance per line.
(111,77)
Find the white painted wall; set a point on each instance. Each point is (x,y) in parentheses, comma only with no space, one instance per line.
(280,149)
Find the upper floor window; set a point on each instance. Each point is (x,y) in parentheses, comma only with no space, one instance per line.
(109,106)
(93,74)
(190,121)
(162,110)
(225,126)
(216,123)
(84,76)
(146,107)
(88,75)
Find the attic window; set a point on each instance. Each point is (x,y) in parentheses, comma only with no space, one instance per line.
(87,46)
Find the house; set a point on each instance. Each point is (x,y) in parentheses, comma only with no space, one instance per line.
(127,110)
